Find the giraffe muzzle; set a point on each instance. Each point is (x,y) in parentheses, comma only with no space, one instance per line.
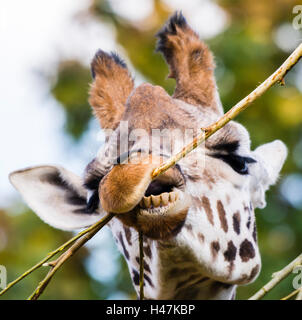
(129,186)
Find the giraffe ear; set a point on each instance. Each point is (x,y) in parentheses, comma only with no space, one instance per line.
(270,159)
(56,195)
(273,156)
(110,89)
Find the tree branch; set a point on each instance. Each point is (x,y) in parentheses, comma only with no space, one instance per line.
(291,294)
(61,248)
(55,265)
(277,277)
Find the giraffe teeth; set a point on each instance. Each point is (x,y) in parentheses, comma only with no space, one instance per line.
(155,200)
(165,198)
(173,196)
(160,200)
(147,202)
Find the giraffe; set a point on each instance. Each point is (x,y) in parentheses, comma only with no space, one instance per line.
(198,220)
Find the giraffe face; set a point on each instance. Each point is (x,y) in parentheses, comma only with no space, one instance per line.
(224,168)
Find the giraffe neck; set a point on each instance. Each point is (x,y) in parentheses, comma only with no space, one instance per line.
(170,271)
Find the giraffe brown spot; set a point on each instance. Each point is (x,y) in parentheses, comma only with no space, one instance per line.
(189,227)
(215,247)
(207,207)
(147,252)
(121,240)
(222,216)
(200,236)
(254,272)
(255,232)
(246,251)
(230,253)
(236,222)
(135,277)
(147,278)
(249,219)
(146,266)
(128,235)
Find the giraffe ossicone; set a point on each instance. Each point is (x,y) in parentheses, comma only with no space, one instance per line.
(198,221)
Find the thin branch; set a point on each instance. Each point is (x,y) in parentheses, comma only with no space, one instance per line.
(291,294)
(277,277)
(141,266)
(277,76)
(55,265)
(53,253)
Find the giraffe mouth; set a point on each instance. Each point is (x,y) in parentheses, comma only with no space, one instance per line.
(164,195)
(163,204)
(157,201)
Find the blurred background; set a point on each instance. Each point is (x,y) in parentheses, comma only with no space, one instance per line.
(46,48)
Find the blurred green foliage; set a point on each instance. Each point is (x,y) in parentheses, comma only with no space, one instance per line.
(246,54)
(71,89)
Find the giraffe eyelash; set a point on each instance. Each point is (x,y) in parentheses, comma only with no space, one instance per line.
(238,163)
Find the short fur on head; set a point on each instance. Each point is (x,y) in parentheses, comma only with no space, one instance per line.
(198,220)
(111,87)
(191,62)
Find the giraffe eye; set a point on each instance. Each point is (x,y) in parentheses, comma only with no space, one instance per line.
(238,163)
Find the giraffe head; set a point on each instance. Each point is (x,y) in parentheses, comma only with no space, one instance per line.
(211,193)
